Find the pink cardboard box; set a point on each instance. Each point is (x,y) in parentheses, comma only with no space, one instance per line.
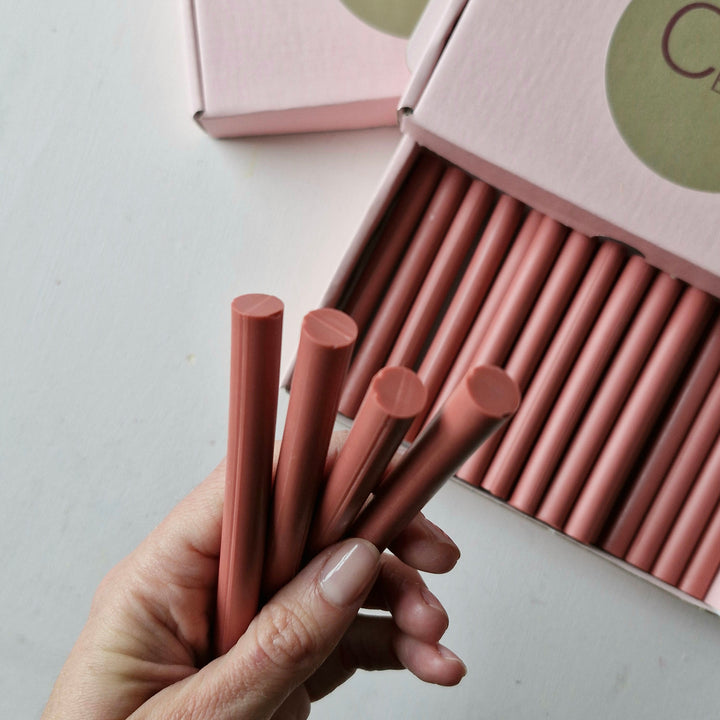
(278,67)
(530,98)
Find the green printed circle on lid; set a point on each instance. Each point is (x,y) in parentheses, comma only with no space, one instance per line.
(663,85)
(396,17)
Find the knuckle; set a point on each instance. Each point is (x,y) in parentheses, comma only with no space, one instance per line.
(287,637)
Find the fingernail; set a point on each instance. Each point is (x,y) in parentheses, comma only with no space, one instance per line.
(450,655)
(348,572)
(431,600)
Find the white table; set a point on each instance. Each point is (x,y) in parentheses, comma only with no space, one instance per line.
(124,234)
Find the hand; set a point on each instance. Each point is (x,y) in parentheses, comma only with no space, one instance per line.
(145,650)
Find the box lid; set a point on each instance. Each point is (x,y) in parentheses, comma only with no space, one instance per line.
(280,66)
(518,96)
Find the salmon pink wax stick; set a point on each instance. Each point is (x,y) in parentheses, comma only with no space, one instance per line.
(608,401)
(665,446)
(641,411)
(393,237)
(485,398)
(703,566)
(394,307)
(394,398)
(691,521)
(254,380)
(327,338)
(536,334)
(677,484)
(463,360)
(567,377)
(442,274)
(476,280)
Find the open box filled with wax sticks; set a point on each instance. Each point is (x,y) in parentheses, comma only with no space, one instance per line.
(617,438)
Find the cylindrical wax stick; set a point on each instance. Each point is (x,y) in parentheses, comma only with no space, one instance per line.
(442,274)
(691,521)
(254,379)
(393,237)
(516,305)
(485,398)
(537,333)
(471,292)
(548,416)
(704,564)
(641,411)
(381,334)
(394,398)
(665,446)
(608,401)
(677,483)
(327,338)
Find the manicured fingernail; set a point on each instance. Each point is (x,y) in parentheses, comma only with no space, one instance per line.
(431,600)
(450,655)
(348,572)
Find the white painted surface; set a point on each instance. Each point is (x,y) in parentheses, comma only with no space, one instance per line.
(124,233)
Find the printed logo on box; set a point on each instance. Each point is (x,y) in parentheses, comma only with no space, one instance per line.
(663,86)
(395,17)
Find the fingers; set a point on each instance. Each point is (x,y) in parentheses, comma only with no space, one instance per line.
(401,590)
(423,545)
(374,643)
(288,640)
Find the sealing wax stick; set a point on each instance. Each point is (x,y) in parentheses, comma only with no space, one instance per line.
(254,379)
(608,401)
(567,377)
(536,334)
(469,296)
(484,399)
(398,300)
(677,484)
(665,446)
(691,521)
(438,283)
(505,280)
(393,238)
(392,401)
(638,416)
(327,338)
(704,564)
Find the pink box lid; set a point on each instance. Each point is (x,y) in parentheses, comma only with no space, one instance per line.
(278,66)
(515,93)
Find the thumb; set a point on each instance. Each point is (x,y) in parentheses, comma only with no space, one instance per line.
(290,638)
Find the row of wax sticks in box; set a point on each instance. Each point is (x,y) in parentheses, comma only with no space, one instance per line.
(616,441)
(274,521)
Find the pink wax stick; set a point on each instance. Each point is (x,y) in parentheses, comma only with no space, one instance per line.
(677,483)
(471,292)
(485,398)
(392,401)
(516,305)
(608,401)
(642,409)
(691,521)
(505,281)
(563,386)
(536,334)
(665,446)
(254,380)
(388,320)
(393,237)
(442,274)
(705,561)
(327,338)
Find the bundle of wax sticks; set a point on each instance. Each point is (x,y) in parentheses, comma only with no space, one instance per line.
(617,440)
(272,524)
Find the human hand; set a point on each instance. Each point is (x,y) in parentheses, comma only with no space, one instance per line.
(145,651)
